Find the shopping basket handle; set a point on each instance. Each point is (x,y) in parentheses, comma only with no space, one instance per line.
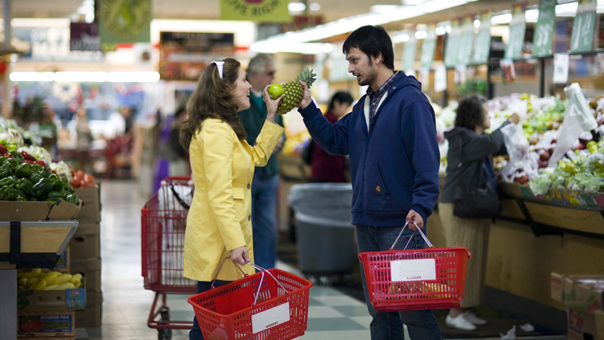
(418,229)
(220,268)
(262,271)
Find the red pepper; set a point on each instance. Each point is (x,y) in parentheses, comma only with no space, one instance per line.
(28,156)
(42,163)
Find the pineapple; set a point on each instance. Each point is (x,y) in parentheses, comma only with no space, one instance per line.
(294,91)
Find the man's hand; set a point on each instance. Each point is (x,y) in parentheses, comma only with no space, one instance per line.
(240,256)
(413,216)
(306,99)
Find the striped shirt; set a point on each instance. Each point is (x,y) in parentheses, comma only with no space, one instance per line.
(376,96)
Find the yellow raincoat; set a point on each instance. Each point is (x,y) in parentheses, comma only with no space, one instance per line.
(219,219)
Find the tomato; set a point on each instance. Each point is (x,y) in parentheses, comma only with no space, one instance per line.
(89,178)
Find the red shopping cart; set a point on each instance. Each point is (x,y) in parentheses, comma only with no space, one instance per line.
(163,223)
(415,279)
(269,305)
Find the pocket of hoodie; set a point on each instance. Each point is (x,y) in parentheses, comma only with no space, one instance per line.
(380,198)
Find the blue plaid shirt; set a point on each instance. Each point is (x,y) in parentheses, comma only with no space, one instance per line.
(376,96)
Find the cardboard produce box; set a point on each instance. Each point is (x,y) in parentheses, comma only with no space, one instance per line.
(590,293)
(85,246)
(51,299)
(564,289)
(91,203)
(46,324)
(92,316)
(582,326)
(38,211)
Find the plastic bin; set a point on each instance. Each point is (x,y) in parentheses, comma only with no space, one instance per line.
(324,233)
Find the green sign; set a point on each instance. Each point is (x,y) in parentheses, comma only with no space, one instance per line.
(453,45)
(428,47)
(513,49)
(482,43)
(409,52)
(544,31)
(466,40)
(125,21)
(583,26)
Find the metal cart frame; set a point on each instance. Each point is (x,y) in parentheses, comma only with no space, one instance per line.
(163,224)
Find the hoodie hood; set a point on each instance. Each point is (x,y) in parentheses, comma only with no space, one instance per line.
(402,80)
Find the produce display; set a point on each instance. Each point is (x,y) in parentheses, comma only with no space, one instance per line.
(23,178)
(581,168)
(36,279)
(293,91)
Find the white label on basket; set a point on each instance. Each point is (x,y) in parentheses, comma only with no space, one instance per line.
(413,270)
(270,318)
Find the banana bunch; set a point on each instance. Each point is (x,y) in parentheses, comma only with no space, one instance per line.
(38,280)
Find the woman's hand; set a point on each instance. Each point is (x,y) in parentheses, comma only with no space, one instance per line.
(418,221)
(514,118)
(271,104)
(240,256)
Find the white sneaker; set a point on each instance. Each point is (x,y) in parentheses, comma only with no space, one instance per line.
(474,319)
(460,322)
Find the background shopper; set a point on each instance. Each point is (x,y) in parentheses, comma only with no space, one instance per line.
(218,223)
(390,136)
(470,160)
(260,74)
(326,167)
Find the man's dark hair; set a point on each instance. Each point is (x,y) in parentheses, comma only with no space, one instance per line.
(470,112)
(373,41)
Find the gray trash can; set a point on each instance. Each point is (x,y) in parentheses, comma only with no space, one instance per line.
(324,234)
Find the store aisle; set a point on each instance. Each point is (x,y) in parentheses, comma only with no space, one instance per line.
(126,305)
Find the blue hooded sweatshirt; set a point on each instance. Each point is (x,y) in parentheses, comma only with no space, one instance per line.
(394,165)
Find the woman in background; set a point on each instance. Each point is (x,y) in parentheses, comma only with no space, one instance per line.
(470,161)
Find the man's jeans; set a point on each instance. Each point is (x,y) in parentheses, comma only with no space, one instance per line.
(421,324)
(264,220)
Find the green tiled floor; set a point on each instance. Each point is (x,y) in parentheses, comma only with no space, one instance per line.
(332,314)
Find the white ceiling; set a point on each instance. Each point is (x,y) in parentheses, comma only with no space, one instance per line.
(210,9)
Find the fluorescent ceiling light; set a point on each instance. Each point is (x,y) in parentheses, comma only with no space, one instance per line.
(531,15)
(296,7)
(400,38)
(440,30)
(382,8)
(315,7)
(349,24)
(501,19)
(302,48)
(93,77)
(420,35)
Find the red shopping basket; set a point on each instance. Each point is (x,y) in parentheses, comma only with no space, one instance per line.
(272,304)
(417,279)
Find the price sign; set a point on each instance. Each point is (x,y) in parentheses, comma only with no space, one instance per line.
(409,52)
(583,26)
(544,31)
(440,78)
(466,39)
(453,44)
(513,50)
(428,47)
(561,68)
(482,43)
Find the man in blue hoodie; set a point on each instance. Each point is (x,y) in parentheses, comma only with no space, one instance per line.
(390,137)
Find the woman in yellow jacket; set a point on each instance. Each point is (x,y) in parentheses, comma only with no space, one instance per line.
(222,162)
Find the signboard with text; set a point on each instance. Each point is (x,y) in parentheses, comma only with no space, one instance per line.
(184,55)
(513,50)
(482,43)
(409,50)
(255,10)
(125,21)
(428,48)
(544,30)
(583,26)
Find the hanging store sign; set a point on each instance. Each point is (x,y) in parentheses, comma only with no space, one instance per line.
(466,40)
(409,50)
(428,48)
(513,50)
(184,55)
(583,26)
(453,44)
(84,37)
(544,31)
(125,21)
(50,44)
(482,43)
(255,10)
